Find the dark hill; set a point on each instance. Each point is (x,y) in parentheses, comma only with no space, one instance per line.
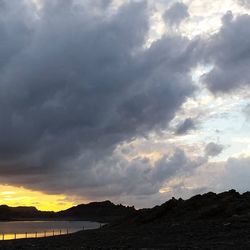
(22,212)
(104,211)
(210,206)
(99,211)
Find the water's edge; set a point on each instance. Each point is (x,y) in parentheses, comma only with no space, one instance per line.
(37,229)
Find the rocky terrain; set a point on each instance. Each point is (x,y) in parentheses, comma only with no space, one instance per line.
(207,207)
(208,221)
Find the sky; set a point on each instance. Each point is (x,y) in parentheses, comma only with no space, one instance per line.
(133,101)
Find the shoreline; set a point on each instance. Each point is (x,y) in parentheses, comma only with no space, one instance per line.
(216,235)
(55,220)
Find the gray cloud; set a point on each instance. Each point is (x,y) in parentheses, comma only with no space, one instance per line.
(75,84)
(245,3)
(229,53)
(246,111)
(114,176)
(213,149)
(233,173)
(236,174)
(186,126)
(168,167)
(176,13)
(215,176)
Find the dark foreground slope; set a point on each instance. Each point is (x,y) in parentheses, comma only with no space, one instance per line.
(207,221)
(199,235)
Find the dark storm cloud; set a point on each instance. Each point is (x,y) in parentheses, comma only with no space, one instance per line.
(176,13)
(228,52)
(213,149)
(186,126)
(14,29)
(74,84)
(168,167)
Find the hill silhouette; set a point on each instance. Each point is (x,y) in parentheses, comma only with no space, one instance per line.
(22,212)
(105,211)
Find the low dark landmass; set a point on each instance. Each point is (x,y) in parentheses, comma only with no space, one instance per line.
(208,221)
(104,211)
(22,213)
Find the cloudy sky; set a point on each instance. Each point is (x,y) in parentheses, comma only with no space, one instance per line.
(129,100)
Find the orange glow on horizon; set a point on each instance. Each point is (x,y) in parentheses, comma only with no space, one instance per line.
(19,196)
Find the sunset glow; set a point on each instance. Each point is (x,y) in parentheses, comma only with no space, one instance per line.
(19,196)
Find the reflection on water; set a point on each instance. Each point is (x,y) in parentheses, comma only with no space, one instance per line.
(36,229)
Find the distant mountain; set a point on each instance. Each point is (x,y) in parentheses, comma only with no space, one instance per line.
(22,212)
(100,211)
(104,211)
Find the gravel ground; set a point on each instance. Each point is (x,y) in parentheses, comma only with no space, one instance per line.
(199,235)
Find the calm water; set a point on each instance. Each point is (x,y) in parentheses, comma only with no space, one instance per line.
(18,229)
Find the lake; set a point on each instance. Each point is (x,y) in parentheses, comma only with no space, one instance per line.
(36,229)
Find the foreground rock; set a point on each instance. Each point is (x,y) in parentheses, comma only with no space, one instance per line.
(206,207)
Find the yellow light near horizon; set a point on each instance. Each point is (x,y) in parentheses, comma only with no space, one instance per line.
(19,196)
